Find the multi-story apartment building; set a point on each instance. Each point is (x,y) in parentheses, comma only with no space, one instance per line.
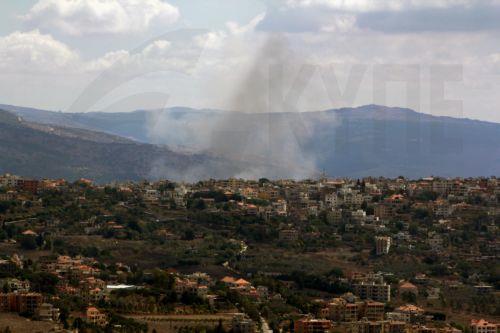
(288,235)
(95,316)
(8,180)
(409,313)
(358,216)
(20,302)
(440,186)
(442,208)
(335,310)
(340,310)
(351,311)
(382,245)
(15,285)
(373,311)
(353,199)
(335,215)
(47,312)
(182,286)
(280,207)
(380,292)
(28,185)
(483,326)
(308,325)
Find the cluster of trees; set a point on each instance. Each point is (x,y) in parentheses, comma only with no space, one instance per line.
(116,324)
(202,329)
(328,283)
(6,206)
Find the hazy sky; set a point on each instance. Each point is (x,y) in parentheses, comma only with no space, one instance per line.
(81,55)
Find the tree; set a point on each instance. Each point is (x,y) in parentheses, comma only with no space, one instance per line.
(63,317)
(190,299)
(439,270)
(420,213)
(427,196)
(409,297)
(413,230)
(39,240)
(77,323)
(200,204)
(134,225)
(189,234)
(4,207)
(28,242)
(219,328)
(43,282)
(162,280)
(336,272)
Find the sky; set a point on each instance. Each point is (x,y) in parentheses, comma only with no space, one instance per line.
(436,56)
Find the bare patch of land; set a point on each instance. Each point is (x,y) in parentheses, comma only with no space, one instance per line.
(18,324)
(172,323)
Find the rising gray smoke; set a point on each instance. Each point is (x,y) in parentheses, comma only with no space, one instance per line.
(263,135)
(264,131)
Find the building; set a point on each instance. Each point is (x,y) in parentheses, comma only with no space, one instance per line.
(240,284)
(407,287)
(15,285)
(483,289)
(8,267)
(185,286)
(96,317)
(280,207)
(242,324)
(396,327)
(288,235)
(440,186)
(8,180)
(309,325)
(334,216)
(47,312)
(20,302)
(263,292)
(436,243)
(335,310)
(409,313)
(332,200)
(374,311)
(8,196)
(92,295)
(483,326)
(28,185)
(342,310)
(351,312)
(382,245)
(358,216)
(366,326)
(380,292)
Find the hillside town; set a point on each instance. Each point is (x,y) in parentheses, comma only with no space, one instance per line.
(371,255)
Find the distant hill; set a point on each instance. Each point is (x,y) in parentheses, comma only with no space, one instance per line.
(37,150)
(133,125)
(365,141)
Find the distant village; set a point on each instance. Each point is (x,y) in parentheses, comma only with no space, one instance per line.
(409,256)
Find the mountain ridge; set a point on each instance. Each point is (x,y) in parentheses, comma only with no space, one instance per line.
(41,151)
(371,140)
(28,111)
